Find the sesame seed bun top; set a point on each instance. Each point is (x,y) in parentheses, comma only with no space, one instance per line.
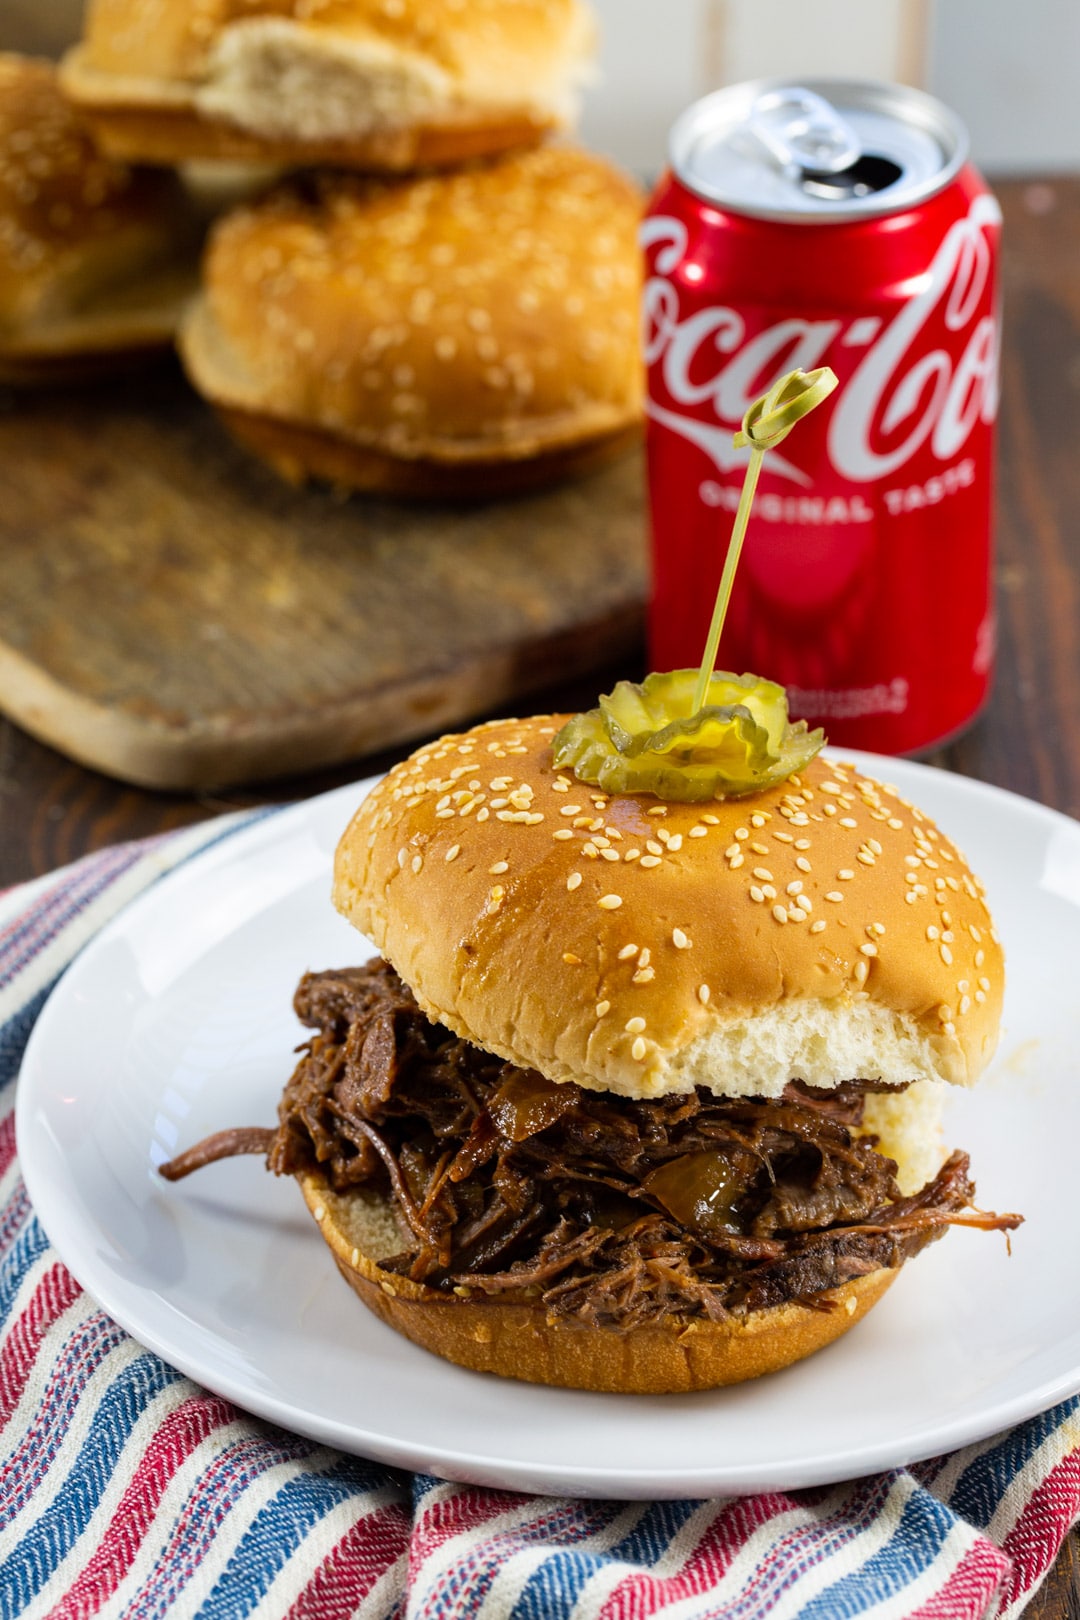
(486,314)
(822,930)
(371,84)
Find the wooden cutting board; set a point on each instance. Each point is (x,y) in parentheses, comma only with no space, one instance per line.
(173,615)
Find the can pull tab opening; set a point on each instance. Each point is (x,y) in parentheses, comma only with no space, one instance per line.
(805,137)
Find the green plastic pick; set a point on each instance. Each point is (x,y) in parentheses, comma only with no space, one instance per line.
(768,421)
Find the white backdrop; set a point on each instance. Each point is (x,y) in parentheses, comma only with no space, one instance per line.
(1011,68)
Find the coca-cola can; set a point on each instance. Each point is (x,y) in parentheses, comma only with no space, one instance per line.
(829,223)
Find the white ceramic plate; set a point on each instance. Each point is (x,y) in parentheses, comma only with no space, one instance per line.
(177,1021)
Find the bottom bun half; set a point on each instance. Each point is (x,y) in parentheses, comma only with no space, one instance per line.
(520,1341)
(298,453)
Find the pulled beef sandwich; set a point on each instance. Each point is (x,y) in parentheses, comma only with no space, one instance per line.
(640,1095)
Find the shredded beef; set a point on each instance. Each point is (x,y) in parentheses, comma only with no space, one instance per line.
(605,1209)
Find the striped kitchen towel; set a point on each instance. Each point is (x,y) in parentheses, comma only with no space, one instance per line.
(126,1490)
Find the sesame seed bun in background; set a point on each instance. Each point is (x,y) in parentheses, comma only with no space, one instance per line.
(96,259)
(820,930)
(457,334)
(373,84)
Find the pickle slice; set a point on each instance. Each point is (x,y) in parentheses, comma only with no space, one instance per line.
(649,739)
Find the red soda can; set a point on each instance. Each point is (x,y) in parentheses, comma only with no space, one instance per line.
(829,223)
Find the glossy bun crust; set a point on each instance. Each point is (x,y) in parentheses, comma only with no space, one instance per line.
(446,335)
(96,260)
(822,930)
(372,84)
(674,1356)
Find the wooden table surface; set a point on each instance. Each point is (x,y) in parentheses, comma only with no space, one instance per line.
(1028,738)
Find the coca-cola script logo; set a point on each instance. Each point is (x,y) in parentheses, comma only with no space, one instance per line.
(899,387)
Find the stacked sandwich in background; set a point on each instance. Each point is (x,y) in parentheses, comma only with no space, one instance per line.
(451,308)
(96,259)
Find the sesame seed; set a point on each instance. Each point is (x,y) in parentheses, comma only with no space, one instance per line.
(634,1026)
(802,843)
(735,862)
(569,809)
(869,949)
(500,866)
(780,913)
(590,850)
(650,860)
(866,857)
(755,821)
(627,951)
(795,887)
(760,849)
(965,1004)
(657,810)
(816,928)
(804,902)
(698,832)
(768,891)
(784,837)
(417,862)
(946,955)
(944,1013)
(834,894)
(862,968)
(653,847)
(632,855)
(563,832)
(569,956)
(984,984)
(763,873)
(402,857)
(756,893)
(638,1050)
(444,815)
(644,956)
(643,975)
(610,854)
(703,994)
(573,881)
(803,864)
(876,928)
(848,821)
(714,821)
(732,850)
(603,1008)
(679,940)
(452,853)
(895,823)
